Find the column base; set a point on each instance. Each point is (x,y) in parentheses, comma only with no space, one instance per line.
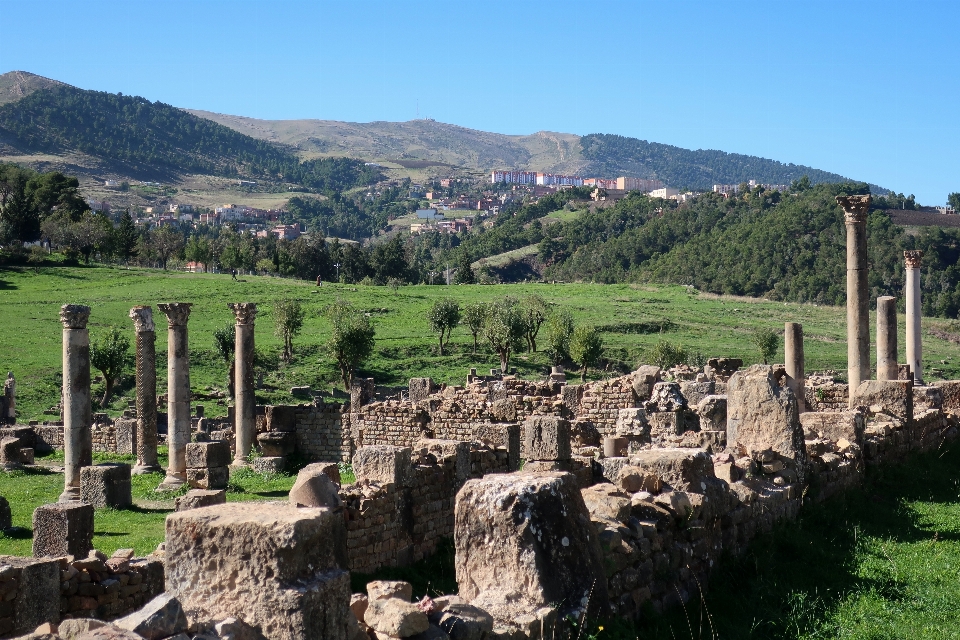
(171,483)
(140,470)
(70,494)
(240,463)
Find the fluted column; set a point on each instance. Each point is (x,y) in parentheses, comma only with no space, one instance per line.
(855,210)
(77,413)
(245,420)
(914,348)
(146,337)
(887,368)
(793,359)
(178,394)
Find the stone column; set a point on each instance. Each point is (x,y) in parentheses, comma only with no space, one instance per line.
(146,337)
(10,396)
(887,338)
(793,357)
(245,420)
(77,413)
(914,348)
(855,210)
(178,394)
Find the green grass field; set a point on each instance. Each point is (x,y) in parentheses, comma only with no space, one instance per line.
(632,318)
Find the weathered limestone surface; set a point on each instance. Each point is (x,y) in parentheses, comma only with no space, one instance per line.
(77,416)
(524,542)
(835,425)
(382,463)
(246,427)
(894,397)
(196,498)
(278,568)
(794,360)
(546,438)
(683,469)
(64,528)
(106,485)
(35,597)
(763,415)
(887,338)
(178,393)
(146,372)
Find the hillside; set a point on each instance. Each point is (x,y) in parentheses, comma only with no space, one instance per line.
(19,84)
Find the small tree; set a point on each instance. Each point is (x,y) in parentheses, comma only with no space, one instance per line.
(665,354)
(586,347)
(108,355)
(224,340)
(474,315)
(504,329)
(465,274)
(351,341)
(288,320)
(534,310)
(444,316)
(767,341)
(559,333)
(953,199)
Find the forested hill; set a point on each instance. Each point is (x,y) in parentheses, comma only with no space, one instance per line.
(787,247)
(146,138)
(613,155)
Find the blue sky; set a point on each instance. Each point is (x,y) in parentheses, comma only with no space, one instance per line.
(867,89)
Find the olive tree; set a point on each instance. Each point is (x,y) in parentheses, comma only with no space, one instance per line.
(767,341)
(288,320)
(351,340)
(534,309)
(474,315)
(504,328)
(444,316)
(108,355)
(586,347)
(224,341)
(559,332)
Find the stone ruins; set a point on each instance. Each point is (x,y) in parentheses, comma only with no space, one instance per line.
(594,500)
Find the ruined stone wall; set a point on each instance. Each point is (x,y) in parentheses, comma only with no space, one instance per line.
(323,433)
(827,397)
(601,402)
(390,422)
(94,587)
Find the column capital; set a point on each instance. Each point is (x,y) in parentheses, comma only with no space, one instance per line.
(912,259)
(177,313)
(142,317)
(245,312)
(855,208)
(74,316)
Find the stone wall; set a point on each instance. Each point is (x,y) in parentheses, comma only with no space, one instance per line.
(34,591)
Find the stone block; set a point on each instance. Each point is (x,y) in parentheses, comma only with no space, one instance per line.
(63,528)
(834,425)
(26,455)
(682,469)
(926,398)
(571,395)
(713,413)
(203,455)
(763,415)
(385,464)
(666,397)
(546,438)
(456,449)
(210,478)
(632,422)
(197,498)
(160,618)
(950,390)
(695,392)
(362,392)
(643,380)
(106,485)
(277,567)
(6,519)
(605,501)
(282,417)
(37,597)
(277,443)
(420,389)
(26,435)
(507,436)
(314,488)
(330,469)
(126,434)
(10,453)
(269,464)
(893,397)
(525,541)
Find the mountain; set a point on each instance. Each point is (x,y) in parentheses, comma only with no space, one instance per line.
(19,84)
(135,137)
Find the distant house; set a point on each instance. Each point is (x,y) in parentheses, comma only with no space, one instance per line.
(286,231)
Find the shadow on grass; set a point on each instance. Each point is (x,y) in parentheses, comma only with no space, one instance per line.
(789,583)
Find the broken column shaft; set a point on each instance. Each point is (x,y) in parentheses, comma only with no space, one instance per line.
(146,364)
(178,394)
(793,357)
(77,413)
(887,338)
(914,347)
(244,414)
(856,209)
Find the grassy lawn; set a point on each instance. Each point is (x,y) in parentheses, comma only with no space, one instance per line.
(632,318)
(140,527)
